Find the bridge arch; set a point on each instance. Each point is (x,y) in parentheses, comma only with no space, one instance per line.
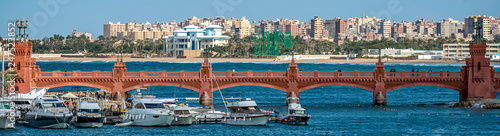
(160,84)
(337,84)
(456,88)
(78,84)
(249,84)
(422,95)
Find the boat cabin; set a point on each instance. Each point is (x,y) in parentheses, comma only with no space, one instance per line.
(245,106)
(148,104)
(5,104)
(294,108)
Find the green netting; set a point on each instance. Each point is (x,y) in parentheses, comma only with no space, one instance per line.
(271,43)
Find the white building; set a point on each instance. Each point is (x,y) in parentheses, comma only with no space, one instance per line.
(194,38)
(460,51)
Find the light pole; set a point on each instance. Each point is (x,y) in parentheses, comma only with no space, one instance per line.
(3,72)
(23,24)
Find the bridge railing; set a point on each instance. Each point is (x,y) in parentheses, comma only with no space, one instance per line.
(162,74)
(249,74)
(423,74)
(336,74)
(74,74)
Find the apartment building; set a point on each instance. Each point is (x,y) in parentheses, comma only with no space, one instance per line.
(461,51)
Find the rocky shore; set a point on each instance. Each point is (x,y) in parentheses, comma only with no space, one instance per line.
(484,103)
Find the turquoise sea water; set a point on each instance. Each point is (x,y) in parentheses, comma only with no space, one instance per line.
(335,110)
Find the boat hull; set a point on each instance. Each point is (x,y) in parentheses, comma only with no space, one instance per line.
(89,122)
(58,121)
(295,120)
(246,121)
(7,122)
(182,121)
(149,120)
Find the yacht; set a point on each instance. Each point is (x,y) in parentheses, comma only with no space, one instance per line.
(245,113)
(296,115)
(8,114)
(23,102)
(182,115)
(48,112)
(147,111)
(89,114)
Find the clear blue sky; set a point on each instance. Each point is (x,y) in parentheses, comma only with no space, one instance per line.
(90,15)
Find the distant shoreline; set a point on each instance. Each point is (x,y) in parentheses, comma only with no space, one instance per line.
(271,60)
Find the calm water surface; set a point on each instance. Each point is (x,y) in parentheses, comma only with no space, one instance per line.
(335,110)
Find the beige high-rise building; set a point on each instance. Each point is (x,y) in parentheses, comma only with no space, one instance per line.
(136,34)
(111,29)
(242,27)
(138,31)
(316,27)
(385,28)
(469,26)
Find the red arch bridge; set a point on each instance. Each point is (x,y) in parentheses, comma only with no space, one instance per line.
(476,80)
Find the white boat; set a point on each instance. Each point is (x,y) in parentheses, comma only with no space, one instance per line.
(169,102)
(245,113)
(182,116)
(23,102)
(148,111)
(48,112)
(89,114)
(8,114)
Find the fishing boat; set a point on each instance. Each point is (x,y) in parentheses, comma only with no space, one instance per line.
(296,114)
(147,111)
(8,114)
(89,114)
(245,113)
(49,112)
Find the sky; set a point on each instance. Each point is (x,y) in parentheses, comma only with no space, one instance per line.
(49,17)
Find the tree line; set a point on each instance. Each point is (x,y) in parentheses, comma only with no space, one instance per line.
(237,47)
(82,44)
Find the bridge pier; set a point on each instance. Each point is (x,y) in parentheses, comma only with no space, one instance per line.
(292,97)
(379,98)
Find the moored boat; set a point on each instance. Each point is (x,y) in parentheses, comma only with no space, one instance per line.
(296,114)
(245,113)
(8,114)
(148,111)
(182,116)
(48,112)
(89,114)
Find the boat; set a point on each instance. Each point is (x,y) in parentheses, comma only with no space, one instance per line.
(8,114)
(48,112)
(147,111)
(182,115)
(89,114)
(245,113)
(23,102)
(296,115)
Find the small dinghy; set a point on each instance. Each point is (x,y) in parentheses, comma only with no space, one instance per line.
(124,124)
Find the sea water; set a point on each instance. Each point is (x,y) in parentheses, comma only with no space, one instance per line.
(335,110)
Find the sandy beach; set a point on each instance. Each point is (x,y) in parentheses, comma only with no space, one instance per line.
(357,60)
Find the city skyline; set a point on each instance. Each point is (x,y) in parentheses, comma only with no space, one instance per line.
(61,18)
